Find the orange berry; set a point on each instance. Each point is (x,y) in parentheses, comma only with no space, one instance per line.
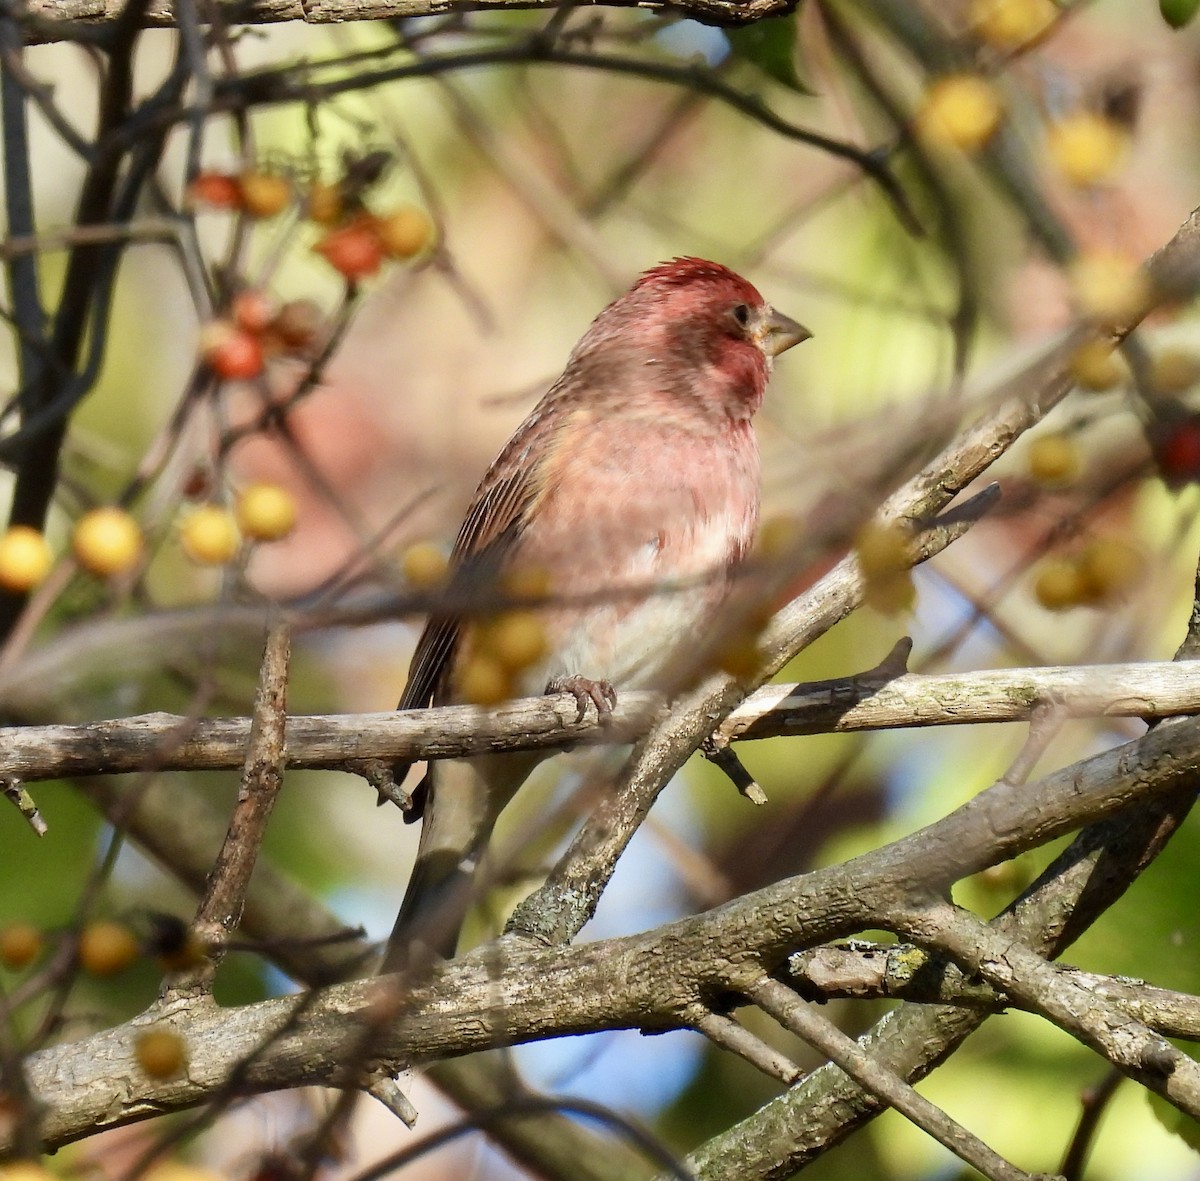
(216,190)
(960,111)
(107,541)
(106,948)
(405,231)
(25,558)
(264,194)
(1054,460)
(354,251)
(160,1052)
(266,512)
(210,535)
(324,204)
(1059,585)
(424,566)
(1087,148)
(230,351)
(20,945)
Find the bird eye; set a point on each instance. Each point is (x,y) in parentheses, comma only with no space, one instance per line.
(741,314)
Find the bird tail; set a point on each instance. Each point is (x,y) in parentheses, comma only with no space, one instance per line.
(465,798)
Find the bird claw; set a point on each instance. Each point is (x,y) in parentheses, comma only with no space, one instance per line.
(600,693)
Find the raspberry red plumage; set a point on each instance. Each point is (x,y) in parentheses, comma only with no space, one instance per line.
(634,485)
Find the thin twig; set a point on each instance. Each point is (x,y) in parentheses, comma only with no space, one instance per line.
(224,898)
(818,1031)
(725,1032)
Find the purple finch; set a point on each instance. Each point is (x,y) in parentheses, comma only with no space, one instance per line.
(632,490)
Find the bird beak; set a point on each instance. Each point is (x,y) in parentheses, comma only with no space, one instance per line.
(777,333)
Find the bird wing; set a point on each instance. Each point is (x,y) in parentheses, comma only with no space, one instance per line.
(492,525)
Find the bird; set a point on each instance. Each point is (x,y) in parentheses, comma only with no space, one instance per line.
(630,493)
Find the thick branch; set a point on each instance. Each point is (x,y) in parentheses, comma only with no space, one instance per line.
(176,743)
(55,16)
(510,991)
(869,971)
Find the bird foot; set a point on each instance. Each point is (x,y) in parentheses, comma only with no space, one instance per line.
(600,693)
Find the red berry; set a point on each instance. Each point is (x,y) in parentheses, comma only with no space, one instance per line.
(253,310)
(1177,451)
(216,190)
(229,351)
(355,251)
(298,324)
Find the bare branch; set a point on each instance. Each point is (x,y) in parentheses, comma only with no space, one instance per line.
(57,16)
(870,971)
(224,896)
(819,1032)
(840,705)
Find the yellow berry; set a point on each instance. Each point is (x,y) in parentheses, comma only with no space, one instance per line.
(483,681)
(20,945)
(1110,568)
(778,537)
(107,541)
(324,204)
(266,512)
(424,566)
(264,194)
(526,583)
(404,232)
(890,594)
(25,558)
(1009,24)
(1174,371)
(514,640)
(738,655)
(1096,366)
(1059,585)
(210,535)
(882,549)
(959,111)
(160,1052)
(175,1170)
(1087,148)
(1109,286)
(106,948)
(25,1170)
(1054,460)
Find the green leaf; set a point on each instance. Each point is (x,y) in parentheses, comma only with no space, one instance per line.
(771,46)
(1178,13)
